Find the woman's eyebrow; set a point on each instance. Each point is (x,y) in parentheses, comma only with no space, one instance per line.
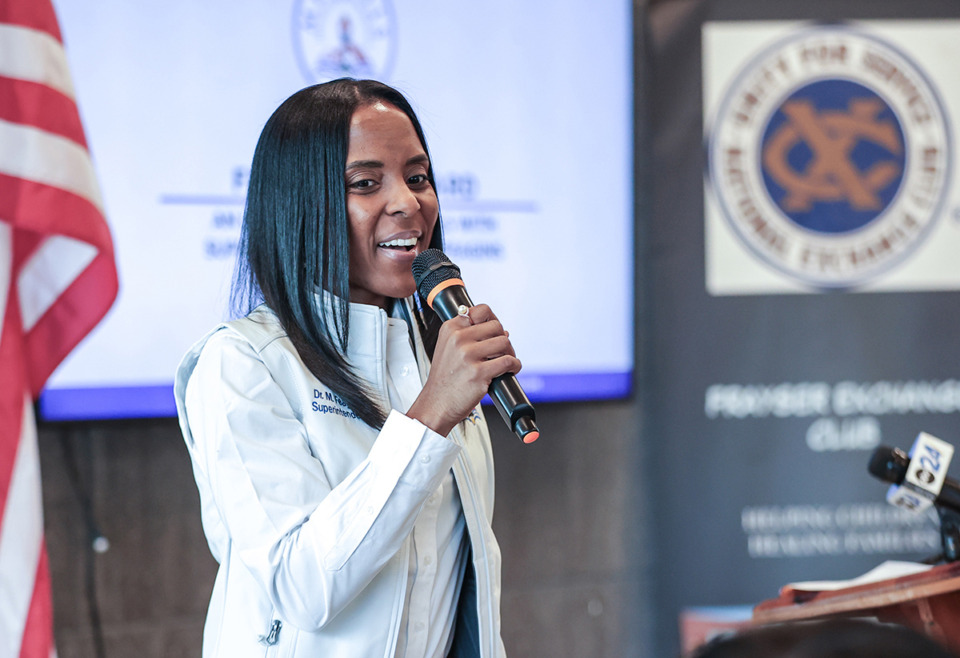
(375,164)
(369,164)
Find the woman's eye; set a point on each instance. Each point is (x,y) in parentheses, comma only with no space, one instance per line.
(361,184)
(418,179)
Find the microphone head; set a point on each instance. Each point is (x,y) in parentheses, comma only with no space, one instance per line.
(889,464)
(431,267)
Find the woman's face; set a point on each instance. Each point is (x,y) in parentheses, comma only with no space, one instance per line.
(391,205)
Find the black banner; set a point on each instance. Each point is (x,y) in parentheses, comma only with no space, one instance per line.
(802,291)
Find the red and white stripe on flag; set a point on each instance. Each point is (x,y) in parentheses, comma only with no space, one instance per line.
(57,280)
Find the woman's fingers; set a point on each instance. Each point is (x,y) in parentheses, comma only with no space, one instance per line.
(479,314)
(499,365)
(472,349)
(490,348)
(480,325)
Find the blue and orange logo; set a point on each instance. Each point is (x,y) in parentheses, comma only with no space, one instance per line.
(829,156)
(833,156)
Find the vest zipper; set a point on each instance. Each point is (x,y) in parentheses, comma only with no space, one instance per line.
(273,636)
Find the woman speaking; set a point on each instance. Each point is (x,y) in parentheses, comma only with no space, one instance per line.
(342,459)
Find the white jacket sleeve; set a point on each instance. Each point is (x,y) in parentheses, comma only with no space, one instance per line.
(313,547)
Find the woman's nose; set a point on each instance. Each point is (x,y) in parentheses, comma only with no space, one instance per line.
(402,200)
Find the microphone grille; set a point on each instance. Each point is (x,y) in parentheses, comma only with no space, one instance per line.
(431,267)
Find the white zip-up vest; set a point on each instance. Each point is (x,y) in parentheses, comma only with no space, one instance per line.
(307,509)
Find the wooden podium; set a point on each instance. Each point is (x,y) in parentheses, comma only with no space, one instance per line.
(928,602)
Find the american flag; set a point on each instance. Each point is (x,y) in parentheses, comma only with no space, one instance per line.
(57,280)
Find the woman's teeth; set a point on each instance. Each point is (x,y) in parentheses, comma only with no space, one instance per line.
(405,243)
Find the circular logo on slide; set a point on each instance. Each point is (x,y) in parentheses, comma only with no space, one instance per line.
(829,156)
(344,38)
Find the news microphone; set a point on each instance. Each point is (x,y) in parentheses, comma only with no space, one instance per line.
(918,480)
(438,281)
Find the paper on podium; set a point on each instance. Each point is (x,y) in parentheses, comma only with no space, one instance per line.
(883,571)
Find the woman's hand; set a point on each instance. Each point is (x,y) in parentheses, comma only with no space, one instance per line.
(471,350)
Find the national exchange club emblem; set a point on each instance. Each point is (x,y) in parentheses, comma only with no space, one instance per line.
(829,156)
(344,38)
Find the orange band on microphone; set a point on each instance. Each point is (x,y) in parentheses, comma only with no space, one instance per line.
(531,437)
(440,286)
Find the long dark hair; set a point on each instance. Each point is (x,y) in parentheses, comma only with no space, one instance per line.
(295,238)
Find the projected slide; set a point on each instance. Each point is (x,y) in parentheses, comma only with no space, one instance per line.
(527,112)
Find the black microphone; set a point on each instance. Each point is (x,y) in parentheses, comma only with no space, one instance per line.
(438,281)
(891,465)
